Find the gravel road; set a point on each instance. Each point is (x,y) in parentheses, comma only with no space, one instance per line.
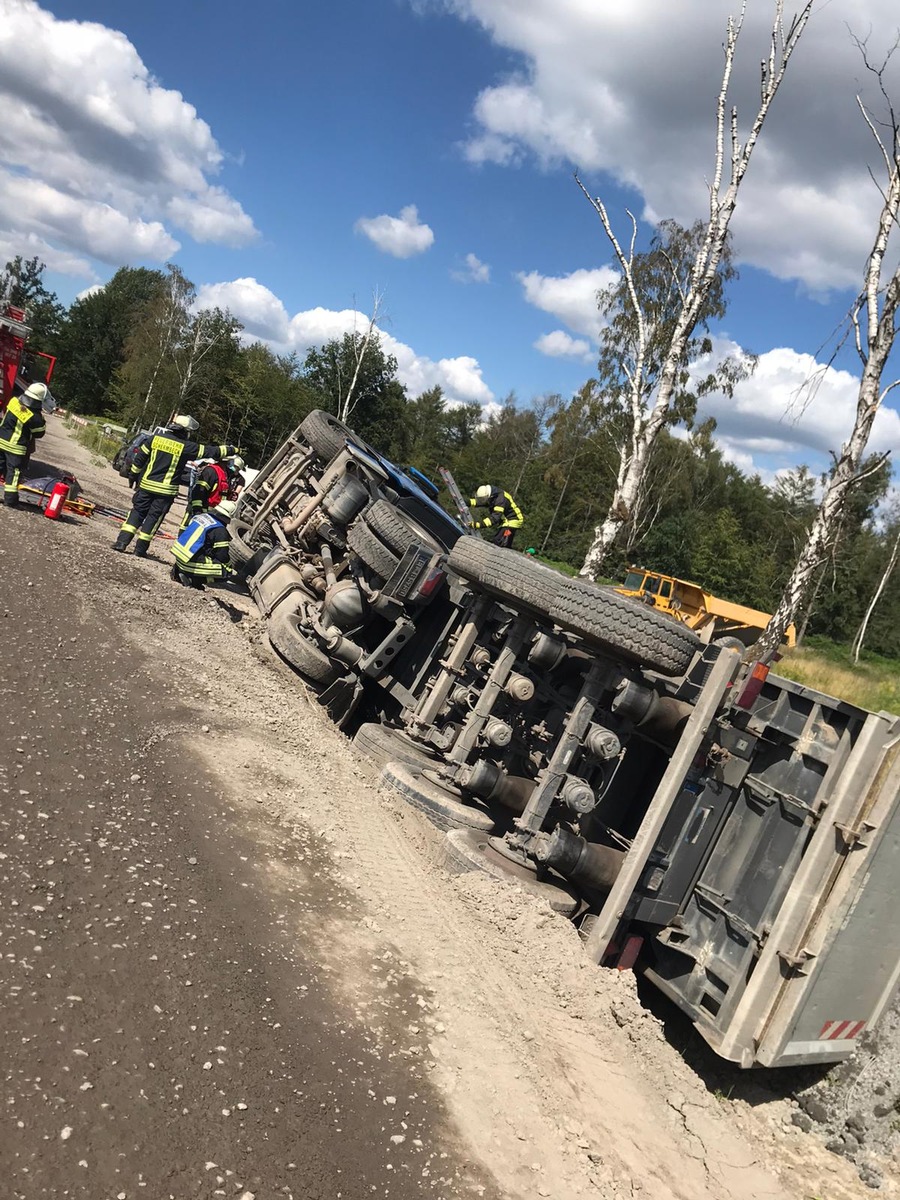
(169,1028)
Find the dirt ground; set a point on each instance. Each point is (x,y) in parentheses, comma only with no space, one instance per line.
(232,964)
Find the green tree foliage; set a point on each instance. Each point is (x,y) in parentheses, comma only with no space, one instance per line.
(356,365)
(264,400)
(93,340)
(22,284)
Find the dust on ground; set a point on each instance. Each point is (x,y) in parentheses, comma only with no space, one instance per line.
(544,1075)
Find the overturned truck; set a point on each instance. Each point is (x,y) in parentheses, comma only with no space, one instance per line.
(728,834)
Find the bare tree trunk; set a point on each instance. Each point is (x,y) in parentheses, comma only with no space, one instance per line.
(874,345)
(558,504)
(882,584)
(647,421)
(346,404)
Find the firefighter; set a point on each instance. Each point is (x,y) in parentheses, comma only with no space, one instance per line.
(502,513)
(201,549)
(214,482)
(20,424)
(159,464)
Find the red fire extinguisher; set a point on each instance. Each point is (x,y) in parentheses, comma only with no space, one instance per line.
(58,497)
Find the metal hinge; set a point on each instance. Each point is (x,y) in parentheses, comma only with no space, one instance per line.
(852,835)
(796,962)
(769,795)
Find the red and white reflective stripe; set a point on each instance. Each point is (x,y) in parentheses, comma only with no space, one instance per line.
(831,1031)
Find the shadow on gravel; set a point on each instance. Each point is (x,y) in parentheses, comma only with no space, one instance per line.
(234,614)
(754,1086)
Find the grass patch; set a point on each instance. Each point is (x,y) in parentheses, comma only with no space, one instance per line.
(564,567)
(873,683)
(92,436)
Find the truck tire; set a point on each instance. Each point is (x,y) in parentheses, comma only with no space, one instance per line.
(239,551)
(383,745)
(442,527)
(506,574)
(394,529)
(325,433)
(467,850)
(287,638)
(620,625)
(373,552)
(441,807)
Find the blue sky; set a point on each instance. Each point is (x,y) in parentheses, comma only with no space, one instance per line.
(257,145)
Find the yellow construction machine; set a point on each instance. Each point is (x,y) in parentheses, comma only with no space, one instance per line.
(706,614)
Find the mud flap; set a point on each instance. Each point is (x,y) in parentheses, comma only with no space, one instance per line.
(340,698)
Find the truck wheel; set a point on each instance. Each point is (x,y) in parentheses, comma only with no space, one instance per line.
(394,529)
(506,575)
(467,850)
(327,435)
(239,551)
(616,623)
(445,809)
(287,638)
(373,552)
(383,745)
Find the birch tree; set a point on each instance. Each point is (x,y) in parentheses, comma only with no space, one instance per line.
(874,323)
(209,330)
(882,584)
(348,394)
(648,402)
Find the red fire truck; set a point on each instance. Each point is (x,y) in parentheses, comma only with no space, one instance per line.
(14,332)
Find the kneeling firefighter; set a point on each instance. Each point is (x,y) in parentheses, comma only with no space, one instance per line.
(201,549)
(503,513)
(158,468)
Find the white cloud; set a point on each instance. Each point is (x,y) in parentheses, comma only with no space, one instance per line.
(560,344)
(586,95)
(265,317)
(30,245)
(260,311)
(792,409)
(572,298)
(96,157)
(475,271)
(401,236)
(90,291)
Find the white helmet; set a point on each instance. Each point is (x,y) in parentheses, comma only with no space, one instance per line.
(484,492)
(34,395)
(237,463)
(186,422)
(225,508)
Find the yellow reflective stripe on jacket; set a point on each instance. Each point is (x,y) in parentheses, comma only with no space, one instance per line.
(203,566)
(184,551)
(515,521)
(17,425)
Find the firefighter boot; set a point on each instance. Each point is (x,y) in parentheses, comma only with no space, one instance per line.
(140,550)
(122,541)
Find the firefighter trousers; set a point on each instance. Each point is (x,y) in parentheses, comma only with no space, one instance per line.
(147,513)
(12,466)
(200,570)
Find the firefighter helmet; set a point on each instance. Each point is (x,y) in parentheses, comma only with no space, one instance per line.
(186,422)
(236,462)
(34,395)
(225,508)
(484,492)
